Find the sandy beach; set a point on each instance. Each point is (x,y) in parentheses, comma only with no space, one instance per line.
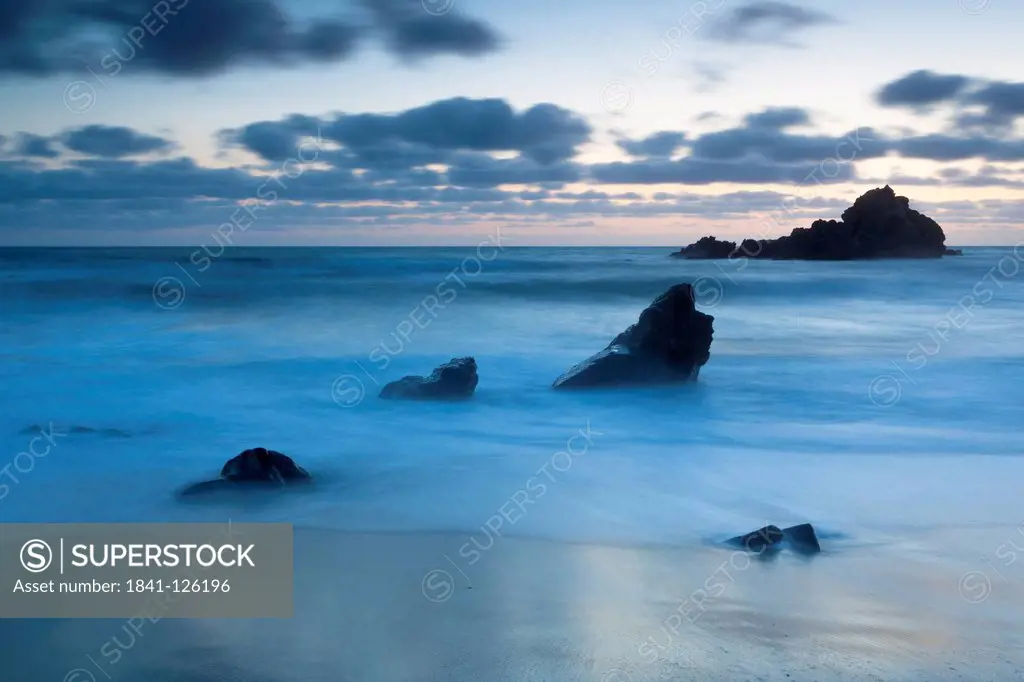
(403,607)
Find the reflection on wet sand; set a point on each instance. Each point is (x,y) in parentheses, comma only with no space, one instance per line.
(535,610)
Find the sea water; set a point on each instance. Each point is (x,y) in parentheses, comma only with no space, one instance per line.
(875,399)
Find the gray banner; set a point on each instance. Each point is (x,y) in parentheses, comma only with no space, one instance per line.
(146,570)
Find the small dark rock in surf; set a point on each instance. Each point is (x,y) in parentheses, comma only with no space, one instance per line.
(454,380)
(75,430)
(759,540)
(254,466)
(669,343)
(800,538)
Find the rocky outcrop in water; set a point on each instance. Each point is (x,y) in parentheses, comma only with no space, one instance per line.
(254,466)
(880,224)
(669,343)
(454,380)
(707,248)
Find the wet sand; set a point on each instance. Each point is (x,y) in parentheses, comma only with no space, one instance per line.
(395,607)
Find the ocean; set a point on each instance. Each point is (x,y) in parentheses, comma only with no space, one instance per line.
(878,400)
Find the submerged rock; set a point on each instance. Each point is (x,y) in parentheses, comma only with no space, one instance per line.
(880,224)
(800,538)
(454,380)
(254,466)
(670,342)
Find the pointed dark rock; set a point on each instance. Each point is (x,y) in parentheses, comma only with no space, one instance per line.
(670,342)
(454,380)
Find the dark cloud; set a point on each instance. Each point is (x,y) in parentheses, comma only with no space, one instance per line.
(412,31)
(778,146)
(481,170)
(545,134)
(778,118)
(37,146)
(921,88)
(113,141)
(205,37)
(977,105)
(1003,102)
(949,148)
(272,140)
(766,22)
(663,144)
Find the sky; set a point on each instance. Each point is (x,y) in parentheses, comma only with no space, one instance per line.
(421,122)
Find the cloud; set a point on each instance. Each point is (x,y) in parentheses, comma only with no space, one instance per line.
(698,171)
(921,88)
(1003,102)
(708,77)
(197,38)
(271,140)
(31,145)
(481,170)
(545,134)
(987,176)
(113,141)
(977,104)
(766,22)
(412,32)
(458,160)
(663,144)
(947,148)
(763,137)
(778,118)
